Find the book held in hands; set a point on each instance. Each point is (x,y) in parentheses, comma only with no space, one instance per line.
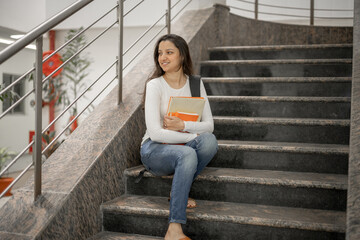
(186,108)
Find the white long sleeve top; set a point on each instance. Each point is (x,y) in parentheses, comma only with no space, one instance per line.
(158,93)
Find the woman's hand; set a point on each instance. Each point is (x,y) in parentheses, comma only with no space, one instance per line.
(173,123)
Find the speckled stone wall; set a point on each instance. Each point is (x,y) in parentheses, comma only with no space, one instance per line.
(246,31)
(353,202)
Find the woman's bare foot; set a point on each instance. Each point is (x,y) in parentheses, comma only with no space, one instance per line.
(174,232)
(191,202)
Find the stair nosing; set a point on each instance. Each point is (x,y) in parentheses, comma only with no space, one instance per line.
(279,99)
(278,47)
(284,121)
(270,221)
(277,79)
(286,146)
(261,177)
(278,61)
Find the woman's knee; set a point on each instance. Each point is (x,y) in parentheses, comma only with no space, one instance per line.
(187,159)
(209,141)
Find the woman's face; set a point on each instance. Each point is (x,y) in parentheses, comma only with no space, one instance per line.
(169,57)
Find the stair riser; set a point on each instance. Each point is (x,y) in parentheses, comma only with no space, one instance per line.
(246,193)
(205,230)
(281,133)
(331,110)
(281,161)
(334,89)
(276,70)
(316,53)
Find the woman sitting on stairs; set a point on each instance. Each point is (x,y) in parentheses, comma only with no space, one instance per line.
(171,145)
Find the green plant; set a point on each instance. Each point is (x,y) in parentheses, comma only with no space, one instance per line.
(76,70)
(9,94)
(5,155)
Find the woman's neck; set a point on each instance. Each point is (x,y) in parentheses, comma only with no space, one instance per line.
(175,79)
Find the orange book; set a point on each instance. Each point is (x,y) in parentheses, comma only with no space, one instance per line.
(186,107)
(186,116)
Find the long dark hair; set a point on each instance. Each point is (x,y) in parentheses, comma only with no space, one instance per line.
(186,63)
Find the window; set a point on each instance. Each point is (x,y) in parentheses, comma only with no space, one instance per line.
(18,89)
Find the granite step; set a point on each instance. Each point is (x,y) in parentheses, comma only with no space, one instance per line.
(122,236)
(278,86)
(277,68)
(148,215)
(316,51)
(282,156)
(277,188)
(306,130)
(288,107)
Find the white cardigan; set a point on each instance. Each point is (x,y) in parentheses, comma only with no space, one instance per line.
(158,93)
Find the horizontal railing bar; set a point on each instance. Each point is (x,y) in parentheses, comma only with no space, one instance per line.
(41,29)
(334,10)
(338,18)
(16,179)
(151,27)
(76,117)
(16,158)
(176,4)
(133,8)
(144,47)
(78,34)
(276,6)
(286,15)
(181,10)
(245,1)
(78,97)
(16,81)
(16,103)
(242,9)
(78,52)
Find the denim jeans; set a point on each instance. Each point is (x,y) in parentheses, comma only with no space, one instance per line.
(184,161)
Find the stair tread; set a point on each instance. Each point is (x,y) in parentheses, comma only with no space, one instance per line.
(276,79)
(278,61)
(122,236)
(263,177)
(284,121)
(286,146)
(279,99)
(279,47)
(262,215)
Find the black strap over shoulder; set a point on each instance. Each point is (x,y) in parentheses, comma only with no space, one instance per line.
(195,85)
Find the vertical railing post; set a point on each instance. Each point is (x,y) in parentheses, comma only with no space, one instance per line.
(256,11)
(312,12)
(168,17)
(38,117)
(119,68)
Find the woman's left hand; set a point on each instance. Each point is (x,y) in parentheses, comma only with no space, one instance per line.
(173,123)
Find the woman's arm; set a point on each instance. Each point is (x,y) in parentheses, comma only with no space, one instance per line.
(153,119)
(207,122)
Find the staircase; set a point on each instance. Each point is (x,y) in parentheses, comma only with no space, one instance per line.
(281,116)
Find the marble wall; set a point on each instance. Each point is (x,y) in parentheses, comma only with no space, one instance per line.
(353,203)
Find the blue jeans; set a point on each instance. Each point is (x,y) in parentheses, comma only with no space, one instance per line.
(184,161)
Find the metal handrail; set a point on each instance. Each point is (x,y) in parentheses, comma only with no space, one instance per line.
(38,81)
(41,29)
(311,10)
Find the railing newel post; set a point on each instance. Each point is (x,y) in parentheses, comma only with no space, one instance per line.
(312,10)
(119,66)
(38,117)
(256,9)
(168,17)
